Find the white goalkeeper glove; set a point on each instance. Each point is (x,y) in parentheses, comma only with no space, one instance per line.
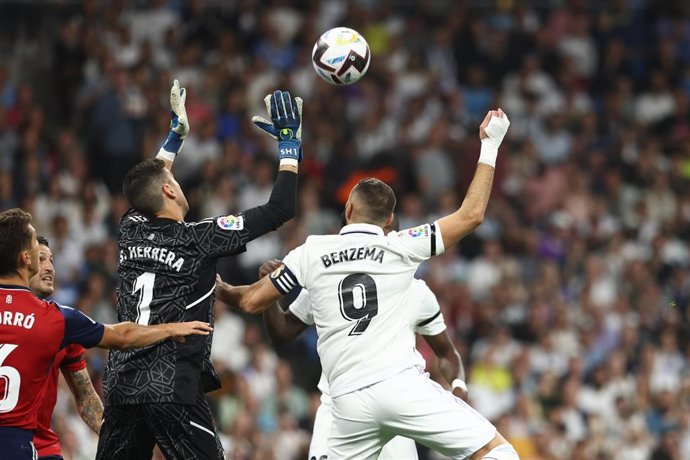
(179,124)
(491,132)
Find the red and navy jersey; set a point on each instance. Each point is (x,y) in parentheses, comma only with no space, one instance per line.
(32,332)
(69,359)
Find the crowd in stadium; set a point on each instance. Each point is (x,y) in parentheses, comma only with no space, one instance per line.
(569,304)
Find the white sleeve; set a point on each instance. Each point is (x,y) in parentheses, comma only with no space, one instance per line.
(301,308)
(419,243)
(292,273)
(426,311)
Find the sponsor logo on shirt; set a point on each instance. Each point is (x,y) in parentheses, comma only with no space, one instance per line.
(422,230)
(231,222)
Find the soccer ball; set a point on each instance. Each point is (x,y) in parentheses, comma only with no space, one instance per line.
(341,56)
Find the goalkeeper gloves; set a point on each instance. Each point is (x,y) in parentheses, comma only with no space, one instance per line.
(286,125)
(179,124)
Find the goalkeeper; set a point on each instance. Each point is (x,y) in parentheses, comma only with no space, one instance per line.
(166,272)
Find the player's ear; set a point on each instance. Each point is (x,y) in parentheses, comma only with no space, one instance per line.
(169,191)
(389,221)
(348,211)
(24,259)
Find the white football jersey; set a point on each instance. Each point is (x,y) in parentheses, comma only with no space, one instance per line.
(359,283)
(422,308)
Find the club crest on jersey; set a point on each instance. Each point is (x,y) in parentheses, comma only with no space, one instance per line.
(417,232)
(231,222)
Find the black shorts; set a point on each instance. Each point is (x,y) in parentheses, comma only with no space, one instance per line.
(182,432)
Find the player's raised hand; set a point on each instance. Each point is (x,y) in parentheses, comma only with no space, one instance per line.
(491,132)
(269,267)
(285,125)
(178,113)
(494,127)
(179,124)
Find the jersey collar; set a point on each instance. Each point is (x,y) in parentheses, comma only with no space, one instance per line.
(368,229)
(14,287)
(162,221)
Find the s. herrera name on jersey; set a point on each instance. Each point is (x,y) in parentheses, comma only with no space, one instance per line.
(350,254)
(161,255)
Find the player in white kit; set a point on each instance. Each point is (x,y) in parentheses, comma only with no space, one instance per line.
(358,282)
(425,319)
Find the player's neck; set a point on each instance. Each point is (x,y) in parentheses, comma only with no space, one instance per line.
(17,279)
(357,221)
(171,213)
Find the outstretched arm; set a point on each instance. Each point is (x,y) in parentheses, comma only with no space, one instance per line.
(88,403)
(449,362)
(131,335)
(82,330)
(281,324)
(281,206)
(285,127)
(470,215)
(259,296)
(253,299)
(179,126)
(228,235)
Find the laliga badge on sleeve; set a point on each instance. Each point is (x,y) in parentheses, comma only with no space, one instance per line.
(231,222)
(417,232)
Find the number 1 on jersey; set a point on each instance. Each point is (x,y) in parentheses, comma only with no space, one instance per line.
(145,284)
(358,300)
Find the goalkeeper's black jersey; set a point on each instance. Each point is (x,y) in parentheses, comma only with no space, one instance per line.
(166,273)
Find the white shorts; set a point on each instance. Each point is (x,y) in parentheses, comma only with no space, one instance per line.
(408,404)
(398,448)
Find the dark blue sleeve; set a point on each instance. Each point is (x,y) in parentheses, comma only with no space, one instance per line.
(80,329)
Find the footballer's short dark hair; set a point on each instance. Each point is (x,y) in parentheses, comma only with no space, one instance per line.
(42,240)
(15,237)
(377,199)
(142,186)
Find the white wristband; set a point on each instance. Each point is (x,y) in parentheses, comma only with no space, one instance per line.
(289,162)
(165,155)
(488,154)
(459,383)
